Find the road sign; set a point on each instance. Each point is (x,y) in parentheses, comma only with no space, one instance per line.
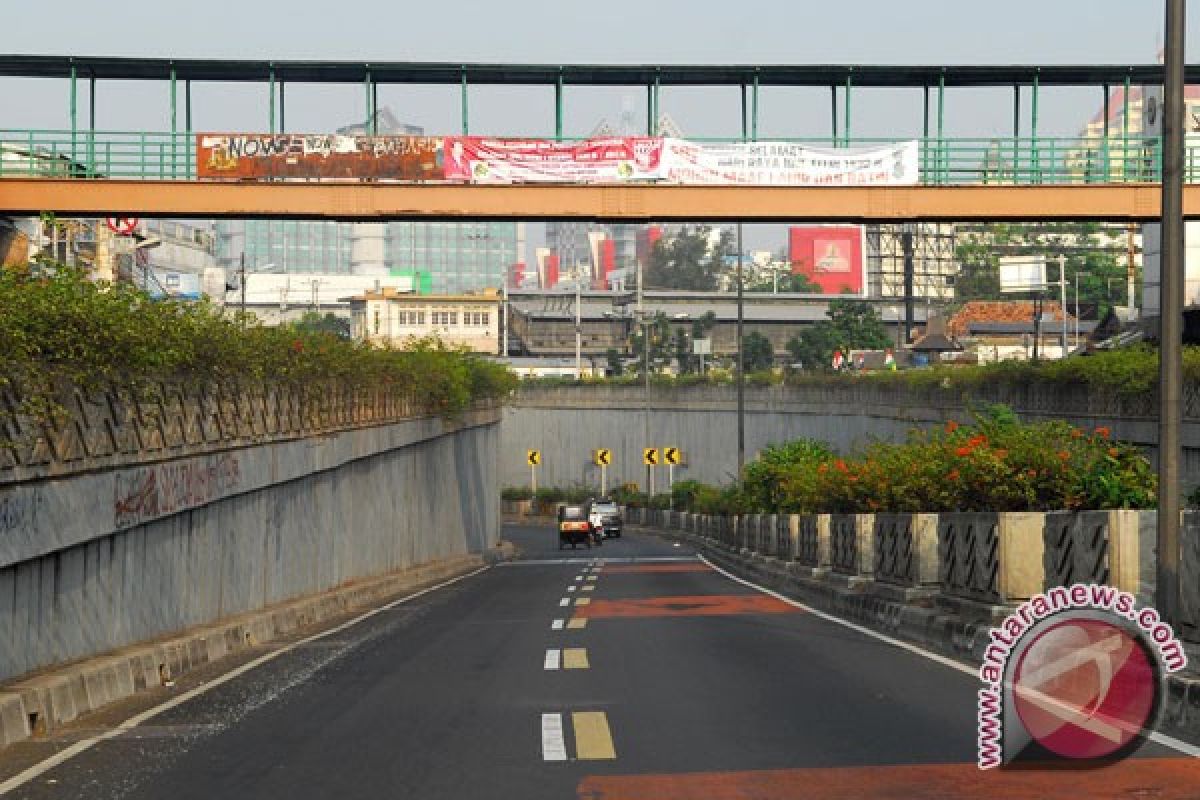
(122,225)
(672,456)
(534,457)
(602,457)
(650,456)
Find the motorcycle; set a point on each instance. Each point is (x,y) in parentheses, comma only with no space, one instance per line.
(597,529)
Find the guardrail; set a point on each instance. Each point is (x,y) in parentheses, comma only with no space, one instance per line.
(150,155)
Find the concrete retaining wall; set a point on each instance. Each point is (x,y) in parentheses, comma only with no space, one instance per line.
(567,424)
(95,562)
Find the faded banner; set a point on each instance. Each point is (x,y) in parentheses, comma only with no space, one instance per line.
(788,164)
(611,160)
(318,156)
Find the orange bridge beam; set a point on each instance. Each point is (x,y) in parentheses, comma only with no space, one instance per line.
(1113,202)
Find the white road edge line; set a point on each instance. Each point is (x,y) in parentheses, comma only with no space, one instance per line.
(554,746)
(62,756)
(1159,738)
(553,659)
(557,625)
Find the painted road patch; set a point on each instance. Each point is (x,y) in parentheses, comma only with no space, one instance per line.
(593,739)
(1160,778)
(685,606)
(638,569)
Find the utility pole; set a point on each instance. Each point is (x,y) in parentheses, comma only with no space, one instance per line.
(578,329)
(1130,277)
(1062,304)
(906,239)
(504,318)
(1171,323)
(741,367)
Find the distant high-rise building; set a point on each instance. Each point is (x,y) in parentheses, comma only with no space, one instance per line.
(456,256)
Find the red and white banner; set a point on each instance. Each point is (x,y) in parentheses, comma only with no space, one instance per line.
(479,159)
(787,164)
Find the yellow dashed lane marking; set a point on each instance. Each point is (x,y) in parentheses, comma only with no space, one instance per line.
(577,623)
(591,577)
(575,658)
(593,740)
(589,588)
(583,601)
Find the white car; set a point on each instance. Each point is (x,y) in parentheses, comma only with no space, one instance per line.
(606,518)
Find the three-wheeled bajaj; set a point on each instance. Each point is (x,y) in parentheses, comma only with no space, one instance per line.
(574,527)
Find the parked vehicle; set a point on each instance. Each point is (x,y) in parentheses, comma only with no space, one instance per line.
(605,517)
(574,528)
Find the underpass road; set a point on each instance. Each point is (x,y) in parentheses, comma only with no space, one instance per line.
(624,672)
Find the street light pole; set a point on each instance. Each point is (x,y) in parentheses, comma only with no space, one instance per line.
(578,330)
(1062,304)
(1171,322)
(1077,274)
(741,367)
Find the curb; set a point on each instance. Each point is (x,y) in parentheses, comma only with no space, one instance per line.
(944,634)
(42,703)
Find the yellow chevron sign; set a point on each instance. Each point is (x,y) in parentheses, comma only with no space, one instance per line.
(534,457)
(602,457)
(672,456)
(650,456)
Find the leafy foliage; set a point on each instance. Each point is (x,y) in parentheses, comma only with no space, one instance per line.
(58,328)
(995,464)
(757,353)
(687,261)
(852,325)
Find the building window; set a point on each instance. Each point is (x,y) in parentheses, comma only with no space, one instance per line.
(377,320)
(486,319)
(420,317)
(453,318)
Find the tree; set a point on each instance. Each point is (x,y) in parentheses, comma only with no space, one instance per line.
(852,325)
(615,366)
(1092,248)
(312,322)
(757,353)
(788,282)
(660,339)
(687,261)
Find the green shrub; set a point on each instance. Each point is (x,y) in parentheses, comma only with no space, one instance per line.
(57,328)
(513,494)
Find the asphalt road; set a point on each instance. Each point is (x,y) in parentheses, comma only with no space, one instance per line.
(662,679)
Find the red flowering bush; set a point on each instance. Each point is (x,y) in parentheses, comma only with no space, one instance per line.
(995,464)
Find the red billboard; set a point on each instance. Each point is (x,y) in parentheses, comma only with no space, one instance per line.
(830,256)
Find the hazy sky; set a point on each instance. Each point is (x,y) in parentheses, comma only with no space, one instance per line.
(569,31)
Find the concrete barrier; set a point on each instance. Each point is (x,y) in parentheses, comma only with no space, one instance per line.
(990,558)
(906,549)
(1109,547)
(303,516)
(852,544)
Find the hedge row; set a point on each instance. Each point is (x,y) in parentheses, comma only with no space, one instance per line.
(57,327)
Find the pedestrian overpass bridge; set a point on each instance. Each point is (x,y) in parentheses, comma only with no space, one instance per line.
(1111,173)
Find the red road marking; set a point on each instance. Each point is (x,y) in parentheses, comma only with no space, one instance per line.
(1158,778)
(640,568)
(686,606)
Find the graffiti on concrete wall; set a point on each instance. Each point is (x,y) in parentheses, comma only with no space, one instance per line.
(312,156)
(19,510)
(147,493)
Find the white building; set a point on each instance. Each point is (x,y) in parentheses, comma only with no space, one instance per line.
(388,317)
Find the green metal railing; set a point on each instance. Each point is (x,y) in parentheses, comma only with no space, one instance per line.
(942,161)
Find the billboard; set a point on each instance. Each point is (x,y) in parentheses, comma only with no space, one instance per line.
(618,159)
(242,156)
(830,256)
(1022,273)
